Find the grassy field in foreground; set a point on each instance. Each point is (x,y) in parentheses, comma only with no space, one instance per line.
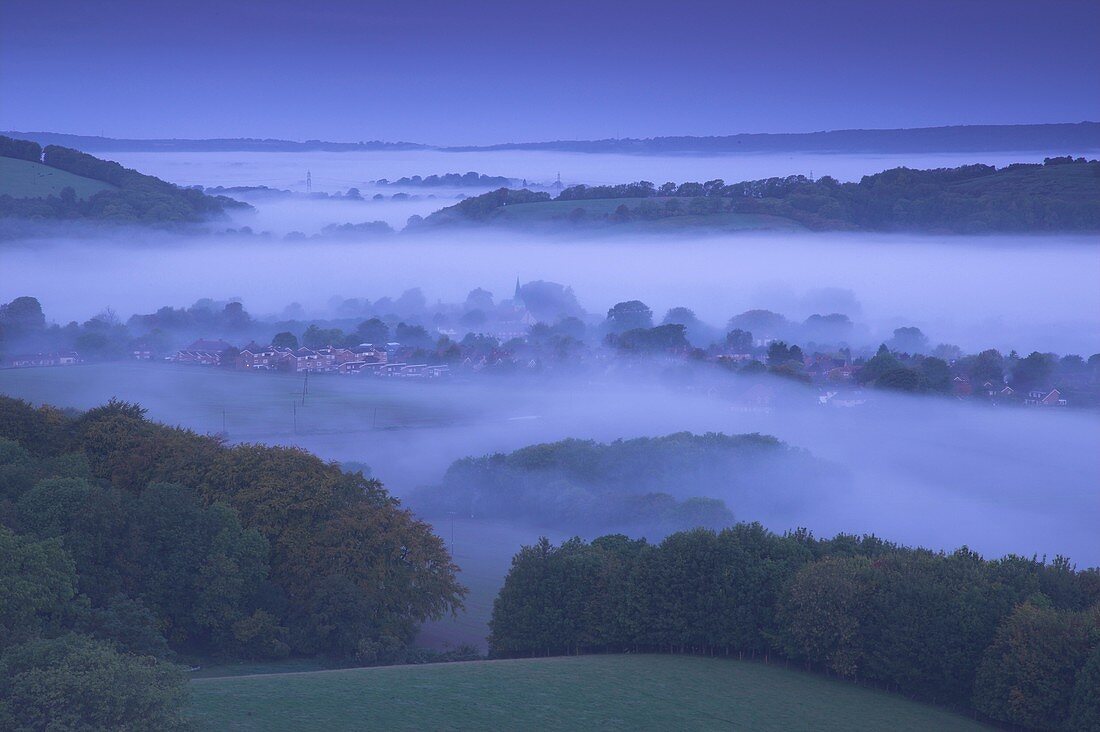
(27,179)
(588,692)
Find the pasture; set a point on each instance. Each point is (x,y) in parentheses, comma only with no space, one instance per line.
(26,179)
(628,692)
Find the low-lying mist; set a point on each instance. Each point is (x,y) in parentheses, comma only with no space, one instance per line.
(919,470)
(923,470)
(1009,292)
(337,171)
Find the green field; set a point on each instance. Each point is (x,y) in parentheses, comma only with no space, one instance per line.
(557,213)
(26,179)
(632,692)
(249,406)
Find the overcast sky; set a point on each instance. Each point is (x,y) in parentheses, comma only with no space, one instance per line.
(482,72)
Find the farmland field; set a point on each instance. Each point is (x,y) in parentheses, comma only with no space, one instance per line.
(587,692)
(26,179)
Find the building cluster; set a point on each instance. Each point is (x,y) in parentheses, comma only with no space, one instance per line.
(1002,392)
(365,358)
(836,376)
(32,360)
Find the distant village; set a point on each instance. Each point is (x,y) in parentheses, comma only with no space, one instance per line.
(836,380)
(365,359)
(516,336)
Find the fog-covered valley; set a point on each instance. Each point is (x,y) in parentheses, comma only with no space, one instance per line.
(527,366)
(918,470)
(921,471)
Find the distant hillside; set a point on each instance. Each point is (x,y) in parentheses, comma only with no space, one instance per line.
(1061,194)
(28,179)
(1055,139)
(63,184)
(457,180)
(1052,138)
(95,143)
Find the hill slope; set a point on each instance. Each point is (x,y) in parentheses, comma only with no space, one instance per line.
(585,692)
(1060,194)
(104,190)
(27,179)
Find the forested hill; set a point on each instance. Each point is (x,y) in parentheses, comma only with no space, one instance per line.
(126,545)
(1070,137)
(1058,195)
(64,184)
(648,485)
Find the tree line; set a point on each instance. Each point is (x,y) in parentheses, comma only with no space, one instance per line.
(1014,639)
(1059,194)
(126,544)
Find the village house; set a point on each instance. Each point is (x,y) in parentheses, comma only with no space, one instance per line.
(1040,398)
(367,353)
(437,371)
(353,367)
(390,369)
(841,373)
(143,350)
(64,358)
(301,360)
(819,366)
(259,359)
(202,353)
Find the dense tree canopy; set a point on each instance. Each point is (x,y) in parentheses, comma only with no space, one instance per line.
(644,483)
(1013,638)
(217,543)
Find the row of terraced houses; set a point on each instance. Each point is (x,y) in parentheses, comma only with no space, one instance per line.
(363,359)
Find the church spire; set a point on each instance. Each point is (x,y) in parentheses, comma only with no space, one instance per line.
(517,299)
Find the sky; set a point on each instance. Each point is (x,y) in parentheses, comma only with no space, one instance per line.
(487,72)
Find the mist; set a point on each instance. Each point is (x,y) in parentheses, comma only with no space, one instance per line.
(1025,292)
(928,471)
(336,172)
(918,470)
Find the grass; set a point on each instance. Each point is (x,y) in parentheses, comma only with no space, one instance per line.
(631,692)
(26,179)
(255,407)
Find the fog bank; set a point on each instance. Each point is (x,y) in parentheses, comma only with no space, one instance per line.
(1009,292)
(922,470)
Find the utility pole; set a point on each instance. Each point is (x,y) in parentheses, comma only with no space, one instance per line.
(224,430)
(294,405)
(452,513)
(305,389)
